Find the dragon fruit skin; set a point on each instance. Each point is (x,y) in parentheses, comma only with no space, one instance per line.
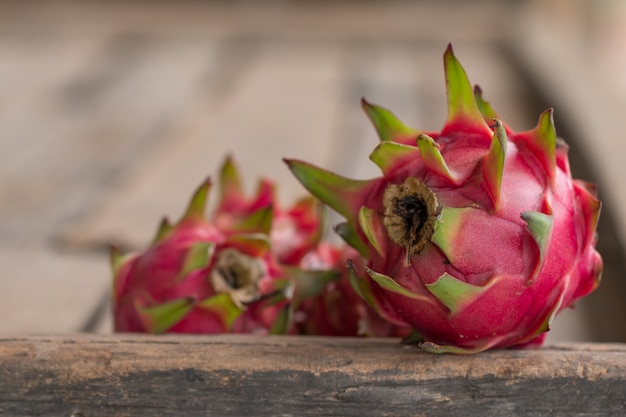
(201,276)
(338,310)
(476,236)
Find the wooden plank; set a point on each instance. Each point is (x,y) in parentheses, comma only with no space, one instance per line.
(228,375)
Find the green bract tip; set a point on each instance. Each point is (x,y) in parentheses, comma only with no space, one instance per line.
(390,155)
(230,181)
(198,256)
(453,293)
(258,222)
(539,225)
(433,159)
(463,111)
(493,167)
(223,306)
(542,142)
(373,228)
(388,126)
(485,108)
(390,284)
(162,317)
(362,287)
(197,205)
(339,193)
(165,227)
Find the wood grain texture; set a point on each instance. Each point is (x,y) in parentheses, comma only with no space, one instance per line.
(228,375)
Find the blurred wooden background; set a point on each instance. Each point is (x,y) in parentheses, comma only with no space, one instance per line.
(112,112)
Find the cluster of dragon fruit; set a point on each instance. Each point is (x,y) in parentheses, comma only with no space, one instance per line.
(473,238)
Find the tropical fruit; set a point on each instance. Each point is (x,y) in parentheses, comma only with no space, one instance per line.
(475,236)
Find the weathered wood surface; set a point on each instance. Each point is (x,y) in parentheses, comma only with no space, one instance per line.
(230,375)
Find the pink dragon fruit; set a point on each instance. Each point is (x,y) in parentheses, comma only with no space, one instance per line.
(338,310)
(220,276)
(476,236)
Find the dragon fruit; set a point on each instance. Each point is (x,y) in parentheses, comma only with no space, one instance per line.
(476,236)
(218,276)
